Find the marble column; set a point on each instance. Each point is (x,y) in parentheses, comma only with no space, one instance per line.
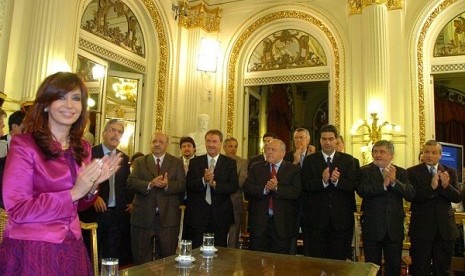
(375,57)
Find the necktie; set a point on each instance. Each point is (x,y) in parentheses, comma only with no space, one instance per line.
(432,170)
(270,200)
(302,157)
(186,165)
(158,166)
(208,194)
(328,161)
(111,192)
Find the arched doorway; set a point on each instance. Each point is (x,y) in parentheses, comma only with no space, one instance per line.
(241,81)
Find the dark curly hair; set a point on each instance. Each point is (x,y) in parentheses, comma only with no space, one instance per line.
(36,121)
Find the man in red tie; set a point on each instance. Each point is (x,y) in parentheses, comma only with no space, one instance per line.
(158,180)
(272,188)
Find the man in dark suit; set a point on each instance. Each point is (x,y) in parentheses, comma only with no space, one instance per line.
(383,186)
(158,180)
(210,184)
(329,181)
(14,126)
(230,150)
(267,137)
(110,208)
(302,147)
(187,147)
(272,188)
(432,225)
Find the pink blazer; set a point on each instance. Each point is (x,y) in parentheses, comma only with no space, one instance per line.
(36,193)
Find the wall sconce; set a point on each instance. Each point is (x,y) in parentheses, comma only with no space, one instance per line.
(375,133)
(208,55)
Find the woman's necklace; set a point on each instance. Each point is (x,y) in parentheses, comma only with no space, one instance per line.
(64,144)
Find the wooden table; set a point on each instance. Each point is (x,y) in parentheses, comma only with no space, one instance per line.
(229,261)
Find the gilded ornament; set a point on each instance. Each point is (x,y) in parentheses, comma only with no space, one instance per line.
(199,16)
(421,90)
(162,65)
(247,33)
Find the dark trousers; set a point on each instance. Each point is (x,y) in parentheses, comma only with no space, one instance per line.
(109,233)
(392,251)
(328,242)
(438,251)
(153,243)
(270,241)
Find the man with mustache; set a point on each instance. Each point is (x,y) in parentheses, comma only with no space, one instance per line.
(158,179)
(110,210)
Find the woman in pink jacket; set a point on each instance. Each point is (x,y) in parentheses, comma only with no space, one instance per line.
(48,177)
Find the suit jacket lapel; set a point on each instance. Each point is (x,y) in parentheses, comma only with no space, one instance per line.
(166,164)
(99,152)
(378,176)
(150,161)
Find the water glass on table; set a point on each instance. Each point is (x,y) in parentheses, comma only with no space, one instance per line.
(185,249)
(208,241)
(109,267)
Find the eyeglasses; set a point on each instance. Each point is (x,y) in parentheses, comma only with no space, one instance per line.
(114,130)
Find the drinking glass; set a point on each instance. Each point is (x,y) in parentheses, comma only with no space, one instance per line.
(208,241)
(109,267)
(185,249)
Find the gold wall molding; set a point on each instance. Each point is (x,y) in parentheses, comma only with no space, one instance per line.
(162,63)
(116,23)
(447,68)
(108,54)
(199,16)
(357,6)
(420,67)
(2,16)
(250,30)
(281,79)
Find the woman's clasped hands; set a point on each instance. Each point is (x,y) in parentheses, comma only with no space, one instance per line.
(98,171)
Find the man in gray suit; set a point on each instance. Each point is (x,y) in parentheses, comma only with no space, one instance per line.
(230,150)
(158,180)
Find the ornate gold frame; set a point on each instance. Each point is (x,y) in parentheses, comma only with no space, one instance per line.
(162,65)
(421,82)
(248,32)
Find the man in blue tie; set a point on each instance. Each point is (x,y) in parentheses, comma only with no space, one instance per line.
(328,184)
(210,181)
(432,228)
(111,209)
(302,147)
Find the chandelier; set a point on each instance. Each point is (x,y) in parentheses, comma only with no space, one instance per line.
(125,89)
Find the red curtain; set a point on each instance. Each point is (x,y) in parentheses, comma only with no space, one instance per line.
(450,121)
(280,113)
